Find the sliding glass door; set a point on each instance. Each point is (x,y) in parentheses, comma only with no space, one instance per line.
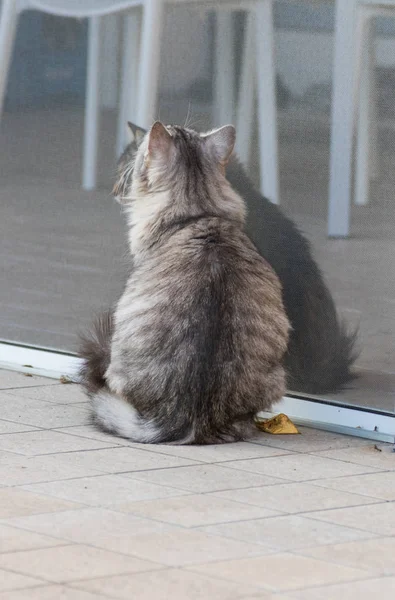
(63,249)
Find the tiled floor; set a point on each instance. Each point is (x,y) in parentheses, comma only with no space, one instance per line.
(85,516)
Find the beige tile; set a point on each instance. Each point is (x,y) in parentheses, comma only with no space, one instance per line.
(287,532)
(41,414)
(92,432)
(299,467)
(205,478)
(174,584)
(384,458)
(104,490)
(18,470)
(376,518)
(280,572)
(216,452)
(58,394)
(376,556)
(120,459)
(99,527)
(11,427)
(310,440)
(80,460)
(18,503)
(12,398)
(12,539)
(67,563)
(295,497)
(13,581)
(12,379)
(358,590)
(195,510)
(265,596)
(34,443)
(53,592)
(180,547)
(377,485)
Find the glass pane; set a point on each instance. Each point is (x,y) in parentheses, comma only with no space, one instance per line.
(359,270)
(63,248)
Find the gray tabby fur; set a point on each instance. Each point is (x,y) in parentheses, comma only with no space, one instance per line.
(200,332)
(321,348)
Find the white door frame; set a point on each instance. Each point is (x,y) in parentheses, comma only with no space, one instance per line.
(322,414)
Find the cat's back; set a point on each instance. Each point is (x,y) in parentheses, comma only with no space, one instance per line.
(212,278)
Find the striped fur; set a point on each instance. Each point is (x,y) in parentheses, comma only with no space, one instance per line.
(200,332)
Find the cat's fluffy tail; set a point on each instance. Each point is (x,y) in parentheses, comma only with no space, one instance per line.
(115,415)
(95,351)
(109,412)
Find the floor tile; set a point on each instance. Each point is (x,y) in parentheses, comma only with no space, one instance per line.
(13,539)
(205,478)
(217,452)
(358,590)
(18,503)
(180,547)
(280,572)
(41,414)
(11,427)
(265,596)
(376,556)
(376,518)
(287,532)
(104,490)
(58,394)
(13,581)
(174,584)
(54,592)
(195,510)
(376,485)
(311,440)
(99,527)
(384,458)
(19,470)
(92,432)
(12,379)
(295,497)
(120,459)
(299,467)
(34,443)
(67,563)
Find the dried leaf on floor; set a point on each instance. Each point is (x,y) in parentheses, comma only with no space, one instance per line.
(280,424)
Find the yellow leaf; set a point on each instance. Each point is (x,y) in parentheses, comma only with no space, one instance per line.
(279,424)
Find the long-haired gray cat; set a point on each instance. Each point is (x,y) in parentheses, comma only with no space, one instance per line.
(195,345)
(321,349)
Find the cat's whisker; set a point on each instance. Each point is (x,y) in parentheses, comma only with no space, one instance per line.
(188,114)
(195,123)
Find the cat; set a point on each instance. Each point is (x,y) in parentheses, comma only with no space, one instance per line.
(321,351)
(195,345)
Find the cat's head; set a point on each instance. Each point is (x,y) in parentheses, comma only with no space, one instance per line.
(166,156)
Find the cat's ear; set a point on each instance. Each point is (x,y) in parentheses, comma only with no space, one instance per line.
(136,133)
(221,143)
(160,142)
